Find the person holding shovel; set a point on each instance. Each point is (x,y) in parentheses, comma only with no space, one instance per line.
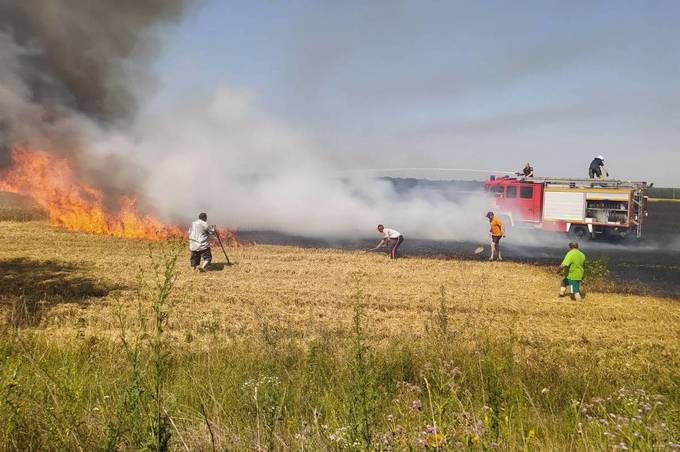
(574,262)
(497,232)
(199,242)
(390,234)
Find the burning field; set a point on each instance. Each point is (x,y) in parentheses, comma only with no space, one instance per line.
(70,203)
(108,341)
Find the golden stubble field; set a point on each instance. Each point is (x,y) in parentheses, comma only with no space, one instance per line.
(87,284)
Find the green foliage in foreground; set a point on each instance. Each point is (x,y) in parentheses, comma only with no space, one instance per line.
(92,395)
(452,389)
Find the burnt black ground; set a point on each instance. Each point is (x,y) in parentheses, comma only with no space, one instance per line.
(649,267)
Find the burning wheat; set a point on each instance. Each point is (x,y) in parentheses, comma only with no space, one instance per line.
(75,205)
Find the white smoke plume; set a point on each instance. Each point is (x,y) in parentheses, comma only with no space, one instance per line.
(246,168)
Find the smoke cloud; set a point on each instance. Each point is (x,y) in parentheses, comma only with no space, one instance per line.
(221,154)
(71,70)
(73,75)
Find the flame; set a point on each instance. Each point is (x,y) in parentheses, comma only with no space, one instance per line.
(229,238)
(74,205)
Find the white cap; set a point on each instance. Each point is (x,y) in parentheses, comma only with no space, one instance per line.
(600,157)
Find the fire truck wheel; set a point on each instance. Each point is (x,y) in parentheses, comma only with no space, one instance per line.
(579,233)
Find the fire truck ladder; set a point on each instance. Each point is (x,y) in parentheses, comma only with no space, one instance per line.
(589,183)
(639,210)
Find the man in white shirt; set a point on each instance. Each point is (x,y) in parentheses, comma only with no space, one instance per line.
(199,242)
(390,234)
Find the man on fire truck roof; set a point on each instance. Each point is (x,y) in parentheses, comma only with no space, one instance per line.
(597,168)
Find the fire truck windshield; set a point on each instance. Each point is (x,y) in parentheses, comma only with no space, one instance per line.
(496,190)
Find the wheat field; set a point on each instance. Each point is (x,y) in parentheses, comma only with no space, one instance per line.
(277,305)
(301,290)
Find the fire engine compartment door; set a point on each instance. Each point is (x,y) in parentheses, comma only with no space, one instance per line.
(564,205)
(607,207)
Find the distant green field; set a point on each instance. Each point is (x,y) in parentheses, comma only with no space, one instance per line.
(664,193)
(663,200)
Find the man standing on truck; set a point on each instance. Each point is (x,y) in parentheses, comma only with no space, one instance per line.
(497,232)
(597,168)
(574,261)
(528,170)
(390,234)
(199,242)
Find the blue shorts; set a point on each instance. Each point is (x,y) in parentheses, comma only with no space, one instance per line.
(573,284)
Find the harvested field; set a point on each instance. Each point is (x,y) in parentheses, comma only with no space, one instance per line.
(296,348)
(651,267)
(300,291)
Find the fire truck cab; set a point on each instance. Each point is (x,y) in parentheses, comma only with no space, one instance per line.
(584,208)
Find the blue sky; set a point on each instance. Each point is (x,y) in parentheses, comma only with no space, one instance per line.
(448,84)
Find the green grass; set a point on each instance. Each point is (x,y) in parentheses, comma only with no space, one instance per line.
(90,395)
(448,389)
(663,200)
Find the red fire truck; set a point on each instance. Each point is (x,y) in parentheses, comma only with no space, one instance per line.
(584,208)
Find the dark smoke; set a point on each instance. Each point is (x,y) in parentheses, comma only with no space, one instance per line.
(70,69)
(89,56)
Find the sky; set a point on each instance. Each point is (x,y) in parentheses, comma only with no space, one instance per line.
(473,85)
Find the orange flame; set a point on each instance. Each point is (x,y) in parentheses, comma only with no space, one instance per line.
(74,205)
(229,237)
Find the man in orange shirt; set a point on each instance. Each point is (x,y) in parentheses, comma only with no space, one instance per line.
(497,231)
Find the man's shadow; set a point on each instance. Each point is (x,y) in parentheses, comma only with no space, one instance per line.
(29,288)
(219,266)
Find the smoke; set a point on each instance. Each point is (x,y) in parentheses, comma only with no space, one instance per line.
(72,70)
(73,75)
(221,154)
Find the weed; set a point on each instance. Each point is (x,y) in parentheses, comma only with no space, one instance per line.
(442,319)
(164,273)
(597,270)
(362,380)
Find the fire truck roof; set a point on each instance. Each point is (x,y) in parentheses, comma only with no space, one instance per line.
(611,183)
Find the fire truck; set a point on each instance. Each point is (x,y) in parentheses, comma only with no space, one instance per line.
(583,208)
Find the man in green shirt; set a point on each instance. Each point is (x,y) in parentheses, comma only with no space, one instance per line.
(574,261)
